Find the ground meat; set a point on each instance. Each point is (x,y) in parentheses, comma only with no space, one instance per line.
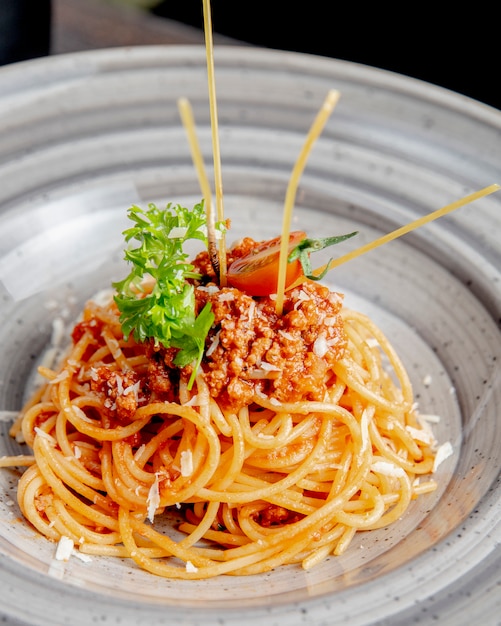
(274,515)
(121,391)
(203,265)
(249,350)
(162,375)
(253,350)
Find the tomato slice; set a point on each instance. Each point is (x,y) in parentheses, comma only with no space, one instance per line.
(256,273)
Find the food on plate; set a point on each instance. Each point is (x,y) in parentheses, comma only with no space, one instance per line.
(193,429)
(223,414)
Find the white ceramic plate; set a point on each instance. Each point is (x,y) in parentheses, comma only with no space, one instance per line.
(84,136)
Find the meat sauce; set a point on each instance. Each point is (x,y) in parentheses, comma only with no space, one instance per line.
(249,350)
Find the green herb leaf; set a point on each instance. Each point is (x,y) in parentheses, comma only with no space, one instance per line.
(165,311)
(305,247)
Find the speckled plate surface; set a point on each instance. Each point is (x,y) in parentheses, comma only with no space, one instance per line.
(84,136)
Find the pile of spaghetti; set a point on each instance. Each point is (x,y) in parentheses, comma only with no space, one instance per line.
(294,432)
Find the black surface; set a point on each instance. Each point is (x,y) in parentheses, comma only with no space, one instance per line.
(442,43)
(25,29)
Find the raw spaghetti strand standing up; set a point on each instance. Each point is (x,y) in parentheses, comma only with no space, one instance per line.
(218,181)
(318,124)
(407,228)
(187,119)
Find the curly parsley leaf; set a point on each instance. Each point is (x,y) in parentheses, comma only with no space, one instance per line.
(155,300)
(305,247)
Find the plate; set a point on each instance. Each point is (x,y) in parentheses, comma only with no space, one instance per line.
(84,136)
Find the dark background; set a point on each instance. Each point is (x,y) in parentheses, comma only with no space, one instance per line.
(452,45)
(25,28)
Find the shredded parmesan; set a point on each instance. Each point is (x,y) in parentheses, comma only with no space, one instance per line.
(153,499)
(193,401)
(45,435)
(79,413)
(85,558)
(429,417)
(190,567)
(269,367)
(443,452)
(320,346)
(8,416)
(114,347)
(387,468)
(423,436)
(64,548)
(252,309)
(215,342)
(210,289)
(59,378)
(227,296)
(132,389)
(186,463)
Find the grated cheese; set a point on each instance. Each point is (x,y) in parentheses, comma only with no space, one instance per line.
(213,345)
(227,296)
(320,346)
(133,389)
(443,452)
(120,386)
(423,436)
(8,416)
(64,548)
(114,348)
(387,468)
(269,367)
(210,289)
(330,320)
(85,558)
(252,309)
(186,463)
(153,499)
(60,377)
(190,567)
(429,417)
(80,414)
(45,435)
(193,401)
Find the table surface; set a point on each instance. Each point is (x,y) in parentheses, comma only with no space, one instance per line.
(468,69)
(92,24)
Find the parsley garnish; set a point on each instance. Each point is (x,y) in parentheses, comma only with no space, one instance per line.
(164,312)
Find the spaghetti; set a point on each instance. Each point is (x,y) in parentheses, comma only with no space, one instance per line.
(300,431)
